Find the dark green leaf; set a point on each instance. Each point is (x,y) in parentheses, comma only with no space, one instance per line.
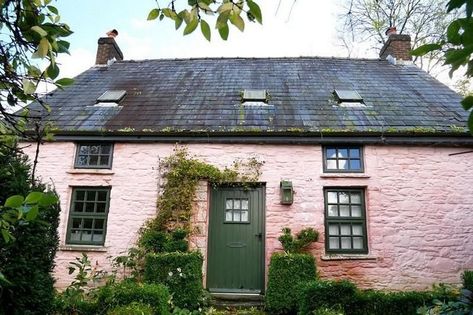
(222,19)
(467,102)
(453,35)
(191,26)
(53,9)
(33,197)
(424,49)
(48,199)
(205,28)
(255,11)
(32,213)
(153,14)
(52,71)
(6,235)
(64,81)
(455,4)
(14,201)
(223,31)
(178,22)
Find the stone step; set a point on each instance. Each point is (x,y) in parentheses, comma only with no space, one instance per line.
(237,300)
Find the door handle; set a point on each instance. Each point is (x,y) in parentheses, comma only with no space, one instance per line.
(260,235)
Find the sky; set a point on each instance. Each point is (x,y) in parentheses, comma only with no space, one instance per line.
(308,30)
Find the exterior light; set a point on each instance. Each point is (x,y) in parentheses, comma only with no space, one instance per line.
(287,192)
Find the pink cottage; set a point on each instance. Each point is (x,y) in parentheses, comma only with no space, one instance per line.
(373,153)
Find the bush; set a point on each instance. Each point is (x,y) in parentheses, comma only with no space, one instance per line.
(73,302)
(467,278)
(29,260)
(127,292)
(286,273)
(132,309)
(298,243)
(157,241)
(343,295)
(181,273)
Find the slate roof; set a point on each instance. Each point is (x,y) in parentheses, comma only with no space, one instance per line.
(204,95)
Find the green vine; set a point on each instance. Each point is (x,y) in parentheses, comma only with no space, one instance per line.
(181,174)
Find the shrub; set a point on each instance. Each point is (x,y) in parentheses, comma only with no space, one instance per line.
(317,295)
(298,243)
(132,309)
(157,241)
(181,273)
(467,278)
(29,260)
(286,272)
(127,292)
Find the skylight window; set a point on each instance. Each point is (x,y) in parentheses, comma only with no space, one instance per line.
(349,98)
(111,96)
(255,96)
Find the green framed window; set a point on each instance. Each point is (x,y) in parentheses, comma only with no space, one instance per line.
(87,223)
(339,159)
(345,221)
(236,210)
(94,155)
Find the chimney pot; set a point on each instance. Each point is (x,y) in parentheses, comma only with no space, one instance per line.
(108,49)
(391,30)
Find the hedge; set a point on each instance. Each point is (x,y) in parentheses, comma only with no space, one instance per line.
(132,309)
(286,273)
(181,273)
(343,295)
(467,278)
(127,292)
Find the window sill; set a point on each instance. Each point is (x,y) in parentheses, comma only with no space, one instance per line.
(328,257)
(344,175)
(83,248)
(91,171)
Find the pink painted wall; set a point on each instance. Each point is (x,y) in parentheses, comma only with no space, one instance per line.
(419,205)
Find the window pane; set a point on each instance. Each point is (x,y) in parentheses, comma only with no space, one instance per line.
(98,237)
(357,243)
(333,229)
(236,204)
(82,160)
(346,242)
(331,153)
(228,216)
(357,229)
(76,223)
(78,207)
(236,216)
(93,160)
(342,164)
(103,160)
(80,195)
(100,207)
(333,243)
(356,211)
(91,195)
(333,211)
(89,207)
(102,196)
(86,236)
(244,216)
(343,197)
(354,153)
(94,149)
(229,204)
(87,223)
(83,150)
(345,229)
(344,211)
(106,149)
(332,197)
(355,197)
(75,235)
(331,164)
(355,165)
(342,153)
(99,224)
(244,204)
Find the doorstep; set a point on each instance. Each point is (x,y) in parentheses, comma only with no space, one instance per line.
(237,300)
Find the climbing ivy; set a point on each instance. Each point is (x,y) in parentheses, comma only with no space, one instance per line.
(181,174)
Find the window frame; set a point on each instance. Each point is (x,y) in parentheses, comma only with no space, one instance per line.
(351,220)
(110,157)
(72,214)
(342,146)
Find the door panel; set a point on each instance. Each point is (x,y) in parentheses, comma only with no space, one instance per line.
(236,240)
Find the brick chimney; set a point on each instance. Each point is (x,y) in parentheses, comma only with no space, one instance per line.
(108,49)
(398,46)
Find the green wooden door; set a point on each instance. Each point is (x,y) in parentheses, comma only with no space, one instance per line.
(236,240)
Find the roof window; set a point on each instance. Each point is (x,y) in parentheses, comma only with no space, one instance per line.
(111,96)
(254,96)
(349,98)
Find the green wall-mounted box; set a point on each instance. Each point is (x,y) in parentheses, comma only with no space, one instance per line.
(287,192)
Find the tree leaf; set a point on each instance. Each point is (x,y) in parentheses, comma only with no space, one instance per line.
(28,86)
(255,11)
(203,6)
(454,4)
(14,201)
(48,199)
(453,35)
(53,9)
(153,14)
(424,49)
(32,213)
(467,102)
(470,122)
(222,20)
(205,28)
(223,31)
(43,47)
(39,30)
(6,235)
(178,22)
(52,71)
(191,26)
(236,20)
(33,197)
(64,81)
